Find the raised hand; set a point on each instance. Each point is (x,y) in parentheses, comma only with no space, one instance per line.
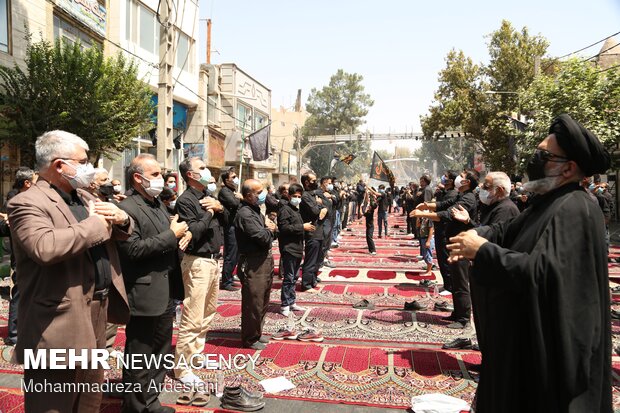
(460,214)
(111,212)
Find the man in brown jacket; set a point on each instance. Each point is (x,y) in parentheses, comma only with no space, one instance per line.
(69,270)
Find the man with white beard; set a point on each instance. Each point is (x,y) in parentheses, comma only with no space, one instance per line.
(548,343)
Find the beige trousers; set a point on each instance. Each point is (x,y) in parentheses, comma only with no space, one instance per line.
(201,282)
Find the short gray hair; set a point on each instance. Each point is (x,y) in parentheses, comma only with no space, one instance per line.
(56,144)
(500,179)
(136,166)
(99,171)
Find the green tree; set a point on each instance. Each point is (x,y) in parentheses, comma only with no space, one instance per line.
(65,87)
(587,93)
(338,108)
(463,101)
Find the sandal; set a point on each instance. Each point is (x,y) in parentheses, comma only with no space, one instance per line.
(185,398)
(200,399)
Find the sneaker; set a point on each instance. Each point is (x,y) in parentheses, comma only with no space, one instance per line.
(335,245)
(311,335)
(285,311)
(443,306)
(295,307)
(426,283)
(329,264)
(285,334)
(373,253)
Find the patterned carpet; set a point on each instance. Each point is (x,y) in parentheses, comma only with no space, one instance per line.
(379,357)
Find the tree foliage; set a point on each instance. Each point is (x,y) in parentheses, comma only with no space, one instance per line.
(588,94)
(338,108)
(63,86)
(465,100)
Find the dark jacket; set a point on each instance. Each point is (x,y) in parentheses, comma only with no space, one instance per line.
(149,257)
(290,230)
(230,202)
(310,210)
(253,237)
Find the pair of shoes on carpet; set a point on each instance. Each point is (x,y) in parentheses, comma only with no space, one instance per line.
(427,283)
(286,310)
(364,305)
(414,306)
(239,399)
(307,335)
(459,343)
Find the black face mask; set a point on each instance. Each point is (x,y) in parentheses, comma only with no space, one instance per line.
(106,190)
(536,167)
(313,185)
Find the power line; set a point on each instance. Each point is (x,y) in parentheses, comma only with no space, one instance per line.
(609,68)
(601,52)
(580,50)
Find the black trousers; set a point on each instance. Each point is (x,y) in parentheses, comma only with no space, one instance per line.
(12,337)
(479,305)
(310,267)
(146,336)
(231,256)
(460,292)
(370,229)
(255,291)
(410,224)
(442,258)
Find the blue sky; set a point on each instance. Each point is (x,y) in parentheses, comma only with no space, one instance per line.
(398,46)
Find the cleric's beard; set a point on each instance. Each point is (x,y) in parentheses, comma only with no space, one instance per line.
(546,184)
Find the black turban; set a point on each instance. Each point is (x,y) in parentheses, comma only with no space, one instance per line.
(580,145)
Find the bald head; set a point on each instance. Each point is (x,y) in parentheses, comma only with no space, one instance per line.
(250,190)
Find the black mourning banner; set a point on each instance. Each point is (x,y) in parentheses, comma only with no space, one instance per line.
(380,171)
(259,143)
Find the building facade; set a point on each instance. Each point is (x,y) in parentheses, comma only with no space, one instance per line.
(131,27)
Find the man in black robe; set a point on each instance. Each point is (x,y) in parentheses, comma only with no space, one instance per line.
(548,345)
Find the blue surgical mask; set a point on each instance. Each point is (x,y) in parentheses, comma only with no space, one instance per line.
(330,187)
(295,202)
(261,197)
(444,180)
(600,191)
(591,187)
(212,187)
(382,191)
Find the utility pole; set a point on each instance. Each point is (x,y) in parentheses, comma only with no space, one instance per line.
(209,43)
(164,95)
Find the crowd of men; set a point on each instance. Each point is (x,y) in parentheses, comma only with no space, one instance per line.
(529,260)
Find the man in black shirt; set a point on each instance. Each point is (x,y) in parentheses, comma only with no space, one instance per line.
(203,215)
(231,201)
(313,211)
(149,259)
(441,248)
(255,235)
(291,230)
(383,204)
(464,183)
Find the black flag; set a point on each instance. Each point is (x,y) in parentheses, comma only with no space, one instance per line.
(380,171)
(259,143)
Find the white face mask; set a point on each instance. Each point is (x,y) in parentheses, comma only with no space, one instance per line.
(295,202)
(236,181)
(458,182)
(486,197)
(117,189)
(173,204)
(155,186)
(84,175)
(205,177)
(211,187)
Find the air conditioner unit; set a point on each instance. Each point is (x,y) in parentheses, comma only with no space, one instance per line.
(214,80)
